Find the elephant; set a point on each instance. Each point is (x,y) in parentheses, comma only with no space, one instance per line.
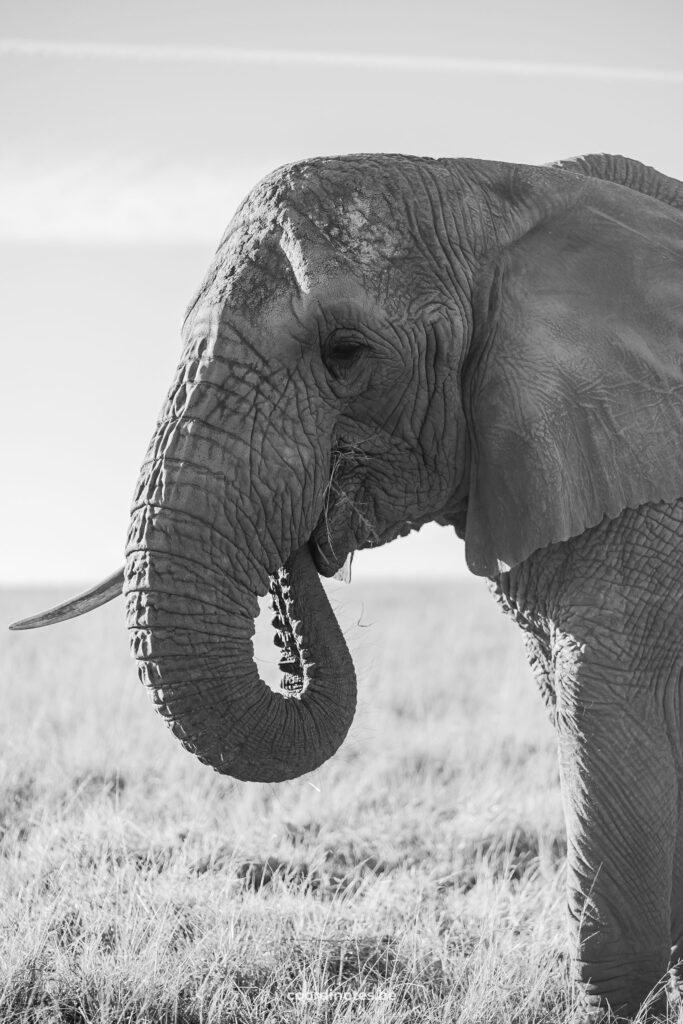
(383,341)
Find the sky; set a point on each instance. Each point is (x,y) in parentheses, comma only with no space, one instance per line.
(131,131)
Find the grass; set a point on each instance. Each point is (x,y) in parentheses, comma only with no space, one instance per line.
(417,877)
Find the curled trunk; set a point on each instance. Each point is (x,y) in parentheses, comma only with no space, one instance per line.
(204,682)
(212,520)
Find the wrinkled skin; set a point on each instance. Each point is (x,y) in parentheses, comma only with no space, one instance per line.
(385,341)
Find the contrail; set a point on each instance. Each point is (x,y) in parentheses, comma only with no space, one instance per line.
(312,58)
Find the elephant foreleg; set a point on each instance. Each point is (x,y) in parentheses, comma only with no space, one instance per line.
(677,910)
(620,795)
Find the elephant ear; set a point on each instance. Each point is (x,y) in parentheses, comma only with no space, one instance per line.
(574,392)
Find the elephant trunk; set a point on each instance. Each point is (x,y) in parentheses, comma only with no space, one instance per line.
(199,552)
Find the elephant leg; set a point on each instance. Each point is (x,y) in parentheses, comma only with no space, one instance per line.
(619,790)
(677,911)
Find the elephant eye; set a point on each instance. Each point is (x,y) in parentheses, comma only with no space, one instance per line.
(341,351)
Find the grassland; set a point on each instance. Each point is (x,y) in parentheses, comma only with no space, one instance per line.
(416,877)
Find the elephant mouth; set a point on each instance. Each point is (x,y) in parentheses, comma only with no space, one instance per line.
(329,556)
(335,539)
(347,523)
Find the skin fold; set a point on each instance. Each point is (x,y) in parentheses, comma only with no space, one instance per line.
(385,341)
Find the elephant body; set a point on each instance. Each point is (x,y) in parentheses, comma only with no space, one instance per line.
(385,341)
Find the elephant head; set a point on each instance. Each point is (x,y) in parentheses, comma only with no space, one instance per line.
(380,342)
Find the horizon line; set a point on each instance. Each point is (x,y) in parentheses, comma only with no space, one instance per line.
(171,53)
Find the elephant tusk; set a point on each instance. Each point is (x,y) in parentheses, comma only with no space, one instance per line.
(105,591)
(344,573)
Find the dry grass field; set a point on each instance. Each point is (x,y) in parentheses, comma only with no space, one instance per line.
(418,876)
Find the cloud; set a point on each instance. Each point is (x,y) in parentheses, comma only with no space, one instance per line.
(330,59)
(106,200)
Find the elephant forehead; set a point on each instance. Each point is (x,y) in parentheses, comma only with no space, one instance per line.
(310,226)
(358,225)
(316,258)
(354,207)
